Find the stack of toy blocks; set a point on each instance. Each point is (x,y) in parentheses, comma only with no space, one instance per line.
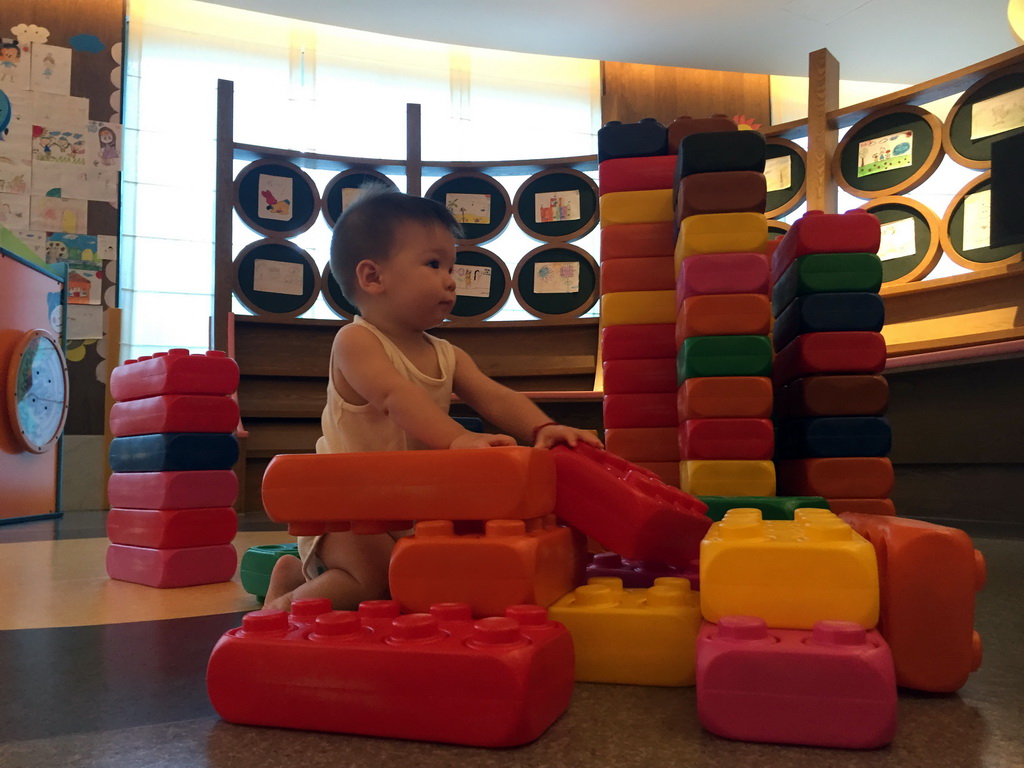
(833,438)
(171,522)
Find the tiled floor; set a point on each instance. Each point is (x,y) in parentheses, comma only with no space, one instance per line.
(85,683)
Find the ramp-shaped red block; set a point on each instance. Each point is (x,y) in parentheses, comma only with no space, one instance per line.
(718,397)
(622,241)
(648,410)
(725,192)
(637,342)
(752,439)
(626,509)
(187,489)
(830,352)
(310,491)
(644,273)
(832,686)
(513,562)
(497,682)
(175,372)
(174,413)
(172,528)
(640,376)
(855,231)
(629,174)
(712,273)
(724,314)
(865,477)
(929,575)
(170,568)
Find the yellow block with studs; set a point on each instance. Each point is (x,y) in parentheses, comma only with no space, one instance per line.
(721,233)
(727,477)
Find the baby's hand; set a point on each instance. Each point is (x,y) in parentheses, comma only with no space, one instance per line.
(557,434)
(478,440)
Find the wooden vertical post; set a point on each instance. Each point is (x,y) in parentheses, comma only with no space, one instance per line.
(822,134)
(413,150)
(223,272)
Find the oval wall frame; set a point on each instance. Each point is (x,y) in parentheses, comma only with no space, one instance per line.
(277,278)
(276,198)
(777,229)
(556,280)
(478,202)
(900,264)
(340,189)
(557,205)
(483,284)
(333,296)
(784,199)
(953,234)
(959,128)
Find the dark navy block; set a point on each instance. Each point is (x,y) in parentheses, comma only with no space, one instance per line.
(173,452)
(833,436)
(643,139)
(819,312)
(720,151)
(470,423)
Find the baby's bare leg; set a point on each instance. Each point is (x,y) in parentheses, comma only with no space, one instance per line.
(284,578)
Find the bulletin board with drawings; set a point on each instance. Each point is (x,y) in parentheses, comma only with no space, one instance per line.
(60,163)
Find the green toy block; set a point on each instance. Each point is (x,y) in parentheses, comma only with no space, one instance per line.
(724,356)
(827,273)
(772,507)
(258,562)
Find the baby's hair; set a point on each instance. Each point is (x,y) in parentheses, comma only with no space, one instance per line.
(366,229)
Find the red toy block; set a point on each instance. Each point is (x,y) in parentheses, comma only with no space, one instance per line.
(189,489)
(628,174)
(839,395)
(318,492)
(627,509)
(883,507)
(830,352)
(711,273)
(717,397)
(497,682)
(643,443)
(170,568)
(832,686)
(854,477)
(724,314)
(644,273)
(929,575)
(855,231)
(726,439)
(635,342)
(666,471)
(620,241)
(684,125)
(646,410)
(172,528)
(724,192)
(513,562)
(175,372)
(174,413)
(639,376)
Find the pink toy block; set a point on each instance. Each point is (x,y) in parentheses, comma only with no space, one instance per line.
(627,509)
(830,352)
(497,682)
(172,528)
(175,372)
(855,231)
(628,174)
(650,410)
(704,274)
(833,686)
(637,342)
(168,568)
(192,489)
(174,413)
(640,376)
(726,439)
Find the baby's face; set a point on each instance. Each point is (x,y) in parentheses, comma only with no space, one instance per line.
(419,273)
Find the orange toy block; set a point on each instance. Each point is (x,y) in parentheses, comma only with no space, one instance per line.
(883,507)
(853,477)
(514,562)
(643,443)
(622,241)
(645,273)
(929,577)
(724,314)
(314,492)
(721,397)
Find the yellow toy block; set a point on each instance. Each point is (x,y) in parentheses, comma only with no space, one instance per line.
(638,308)
(791,573)
(721,233)
(727,477)
(633,636)
(639,207)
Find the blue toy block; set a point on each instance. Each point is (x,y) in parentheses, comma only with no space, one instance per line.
(834,436)
(173,451)
(829,312)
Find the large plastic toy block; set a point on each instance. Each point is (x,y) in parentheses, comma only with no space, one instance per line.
(644,273)
(666,471)
(174,413)
(171,568)
(626,509)
(173,490)
(175,372)
(720,233)
(726,192)
(884,507)
(855,231)
(173,452)
(657,374)
(724,356)
(770,507)
(855,477)
(636,574)
(632,636)
(724,314)
(318,492)
(629,174)
(720,151)
(827,273)
(636,444)
(716,397)
(684,125)
(834,436)
(172,528)
(710,273)
(624,241)
(640,139)
(638,308)
(838,395)
(511,563)
(258,563)
(641,207)
(726,439)
(832,686)
(930,574)
(646,410)
(727,477)
(823,312)
(832,352)
(496,682)
(791,573)
(636,342)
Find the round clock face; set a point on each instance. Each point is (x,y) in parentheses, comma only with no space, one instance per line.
(38,391)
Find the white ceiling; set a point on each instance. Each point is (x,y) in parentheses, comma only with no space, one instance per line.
(887,41)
